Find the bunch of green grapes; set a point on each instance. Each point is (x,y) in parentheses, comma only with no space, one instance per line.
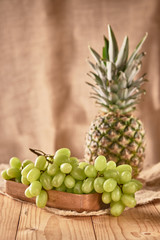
(62,172)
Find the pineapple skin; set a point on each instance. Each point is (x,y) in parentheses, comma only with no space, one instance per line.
(118,137)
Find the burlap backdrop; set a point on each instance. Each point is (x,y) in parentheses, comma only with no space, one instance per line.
(44,101)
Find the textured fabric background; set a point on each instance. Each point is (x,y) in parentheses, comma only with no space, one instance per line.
(44,101)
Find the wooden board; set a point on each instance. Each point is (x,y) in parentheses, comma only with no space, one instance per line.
(27,222)
(21,221)
(10,211)
(142,222)
(38,224)
(60,200)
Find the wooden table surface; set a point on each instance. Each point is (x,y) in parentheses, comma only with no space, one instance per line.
(22,221)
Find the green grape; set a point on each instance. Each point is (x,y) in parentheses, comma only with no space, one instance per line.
(125,177)
(128,200)
(112,202)
(82,165)
(106,197)
(69,181)
(62,188)
(111,173)
(28,193)
(26,169)
(93,191)
(74,161)
(124,167)
(15,162)
(58,179)
(24,180)
(87,185)
(63,151)
(139,184)
(5,175)
(45,166)
(18,179)
(132,194)
(60,159)
(130,187)
(78,173)
(33,174)
(100,163)
(46,181)
(41,199)
(101,173)
(69,190)
(116,194)
(66,167)
(25,163)
(35,188)
(78,187)
(111,165)
(13,172)
(98,184)
(109,185)
(117,208)
(50,159)
(52,169)
(90,171)
(40,162)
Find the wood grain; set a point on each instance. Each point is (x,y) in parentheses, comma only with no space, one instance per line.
(156,205)
(27,222)
(142,223)
(39,224)
(9,217)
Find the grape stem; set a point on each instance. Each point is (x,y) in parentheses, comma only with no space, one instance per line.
(37,152)
(40,153)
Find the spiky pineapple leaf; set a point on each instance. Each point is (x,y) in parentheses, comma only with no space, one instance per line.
(96,78)
(113,47)
(105,98)
(136,85)
(100,91)
(128,109)
(92,86)
(114,86)
(123,93)
(105,49)
(138,47)
(100,71)
(105,106)
(101,99)
(96,56)
(110,70)
(123,54)
(140,56)
(138,94)
(131,91)
(92,65)
(133,74)
(122,80)
(133,69)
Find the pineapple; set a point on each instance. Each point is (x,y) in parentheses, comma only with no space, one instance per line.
(115,132)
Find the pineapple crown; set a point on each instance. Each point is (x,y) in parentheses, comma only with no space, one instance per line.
(115,88)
